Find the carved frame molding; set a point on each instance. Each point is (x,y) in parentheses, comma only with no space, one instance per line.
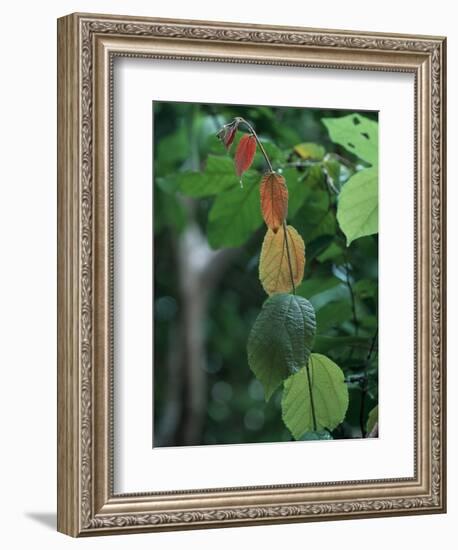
(87,45)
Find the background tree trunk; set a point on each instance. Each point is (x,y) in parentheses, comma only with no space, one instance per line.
(199,270)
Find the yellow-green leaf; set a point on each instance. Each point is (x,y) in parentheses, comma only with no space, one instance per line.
(310,151)
(357,133)
(282,260)
(357,209)
(327,390)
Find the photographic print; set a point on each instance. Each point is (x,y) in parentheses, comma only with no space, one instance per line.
(265,274)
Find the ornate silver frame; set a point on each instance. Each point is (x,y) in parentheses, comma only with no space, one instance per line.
(87,44)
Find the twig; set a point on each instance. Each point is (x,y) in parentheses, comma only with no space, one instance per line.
(241,120)
(343,160)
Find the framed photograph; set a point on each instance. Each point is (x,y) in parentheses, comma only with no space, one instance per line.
(251,290)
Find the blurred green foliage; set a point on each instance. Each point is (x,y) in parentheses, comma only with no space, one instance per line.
(195,186)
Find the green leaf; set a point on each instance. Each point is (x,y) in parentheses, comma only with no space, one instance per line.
(235,214)
(332,315)
(315,218)
(326,225)
(336,293)
(172,150)
(357,134)
(274,153)
(281,339)
(219,175)
(317,246)
(366,288)
(333,252)
(168,212)
(168,184)
(298,190)
(372,419)
(357,208)
(325,344)
(214,145)
(316,285)
(329,392)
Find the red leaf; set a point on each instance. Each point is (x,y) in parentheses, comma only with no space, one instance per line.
(244,154)
(230,136)
(227,134)
(274,200)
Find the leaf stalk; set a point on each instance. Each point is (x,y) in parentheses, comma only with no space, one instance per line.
(312,404)
(239,121)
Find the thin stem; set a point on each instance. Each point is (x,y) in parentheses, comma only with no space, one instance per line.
(261,146)
(371,349)
(302,163)
(363,383)
(352,296)
(361,409)
(312,404)
(288,256)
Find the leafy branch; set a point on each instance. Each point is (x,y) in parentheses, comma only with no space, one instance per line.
(280,342)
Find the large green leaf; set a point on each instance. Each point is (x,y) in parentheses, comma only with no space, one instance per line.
(219,175)
(281,339)
(356,134)
(357,209)
(329,395)
(235,214)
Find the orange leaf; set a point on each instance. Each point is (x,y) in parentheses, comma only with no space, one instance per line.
(282,259)
(274,200)
(244,154)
